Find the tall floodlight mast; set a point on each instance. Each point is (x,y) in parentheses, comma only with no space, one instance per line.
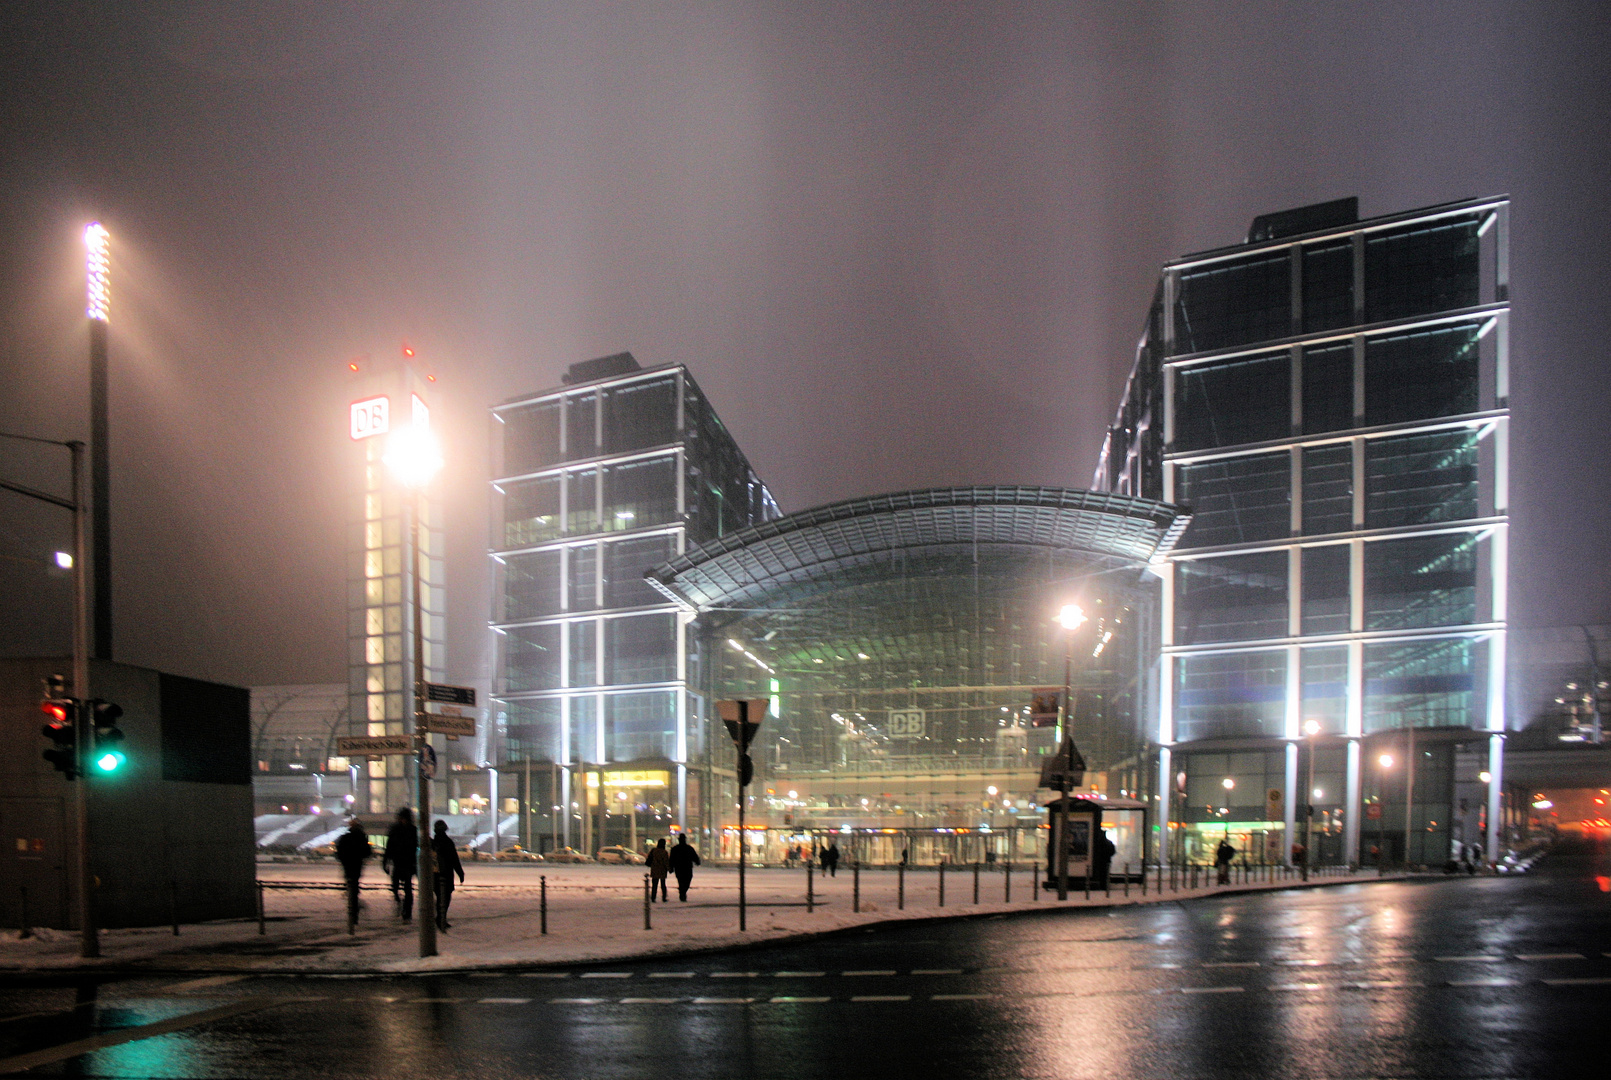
(97,243)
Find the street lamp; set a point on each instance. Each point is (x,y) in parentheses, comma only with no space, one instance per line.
(414,458)
(1311,728)
(1228,784)
(98,303)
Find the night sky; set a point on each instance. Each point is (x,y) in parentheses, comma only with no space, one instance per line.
(898,245)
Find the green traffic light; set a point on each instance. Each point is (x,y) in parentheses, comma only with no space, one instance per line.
(110,761)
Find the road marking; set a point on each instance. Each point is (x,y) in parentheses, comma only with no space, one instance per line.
(1230,964)
(1469,959)
(799,1000)
(866,973)
(734,974)
(1301,963)
(800,974)
(883,997)
(200,984)
(1484,982)
(671,974)
(1551,956)
(575,1001)
(606,974)
(432,1001)
(1298,986)
(545,974)
(936,971)
(1380,985)
(722,1001)
(1546,982)
(504,1001)
(650,1001)
(1212,989)
(962,997)
(23,1062)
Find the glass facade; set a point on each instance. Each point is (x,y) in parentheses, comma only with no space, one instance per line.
(1333,410)
(600,481)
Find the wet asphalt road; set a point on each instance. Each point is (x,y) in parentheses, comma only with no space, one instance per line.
(1482,977)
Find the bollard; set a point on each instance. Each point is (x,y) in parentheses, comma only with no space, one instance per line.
(173,905)
(942,882)
(1087,881)
(900,887)
(542,902)
(23,930)
(1127,877)
(1107,883)
(261,928)
(1006,883)
(855,886)
(975,883)
(1034,881)
(810,898)
(646,888)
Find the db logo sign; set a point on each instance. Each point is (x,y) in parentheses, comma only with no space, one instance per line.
(906,723)
(371,417)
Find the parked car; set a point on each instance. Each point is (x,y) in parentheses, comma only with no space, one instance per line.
(567,855)
(620,855)
(519,854)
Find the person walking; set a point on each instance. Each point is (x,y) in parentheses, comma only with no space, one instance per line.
(445,854)
(401,860)
(682,859)
(352,851)
(830,859)
(1223,856)
(659,864)
(1102,859)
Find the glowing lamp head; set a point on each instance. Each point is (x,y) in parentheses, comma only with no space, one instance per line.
(64,559)
(1227,783)
(1485,776)
(96,243)
(413,455)
(1070,617)
(1311,727)
(1385,761)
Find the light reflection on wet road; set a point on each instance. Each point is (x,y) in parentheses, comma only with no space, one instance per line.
(1451,978)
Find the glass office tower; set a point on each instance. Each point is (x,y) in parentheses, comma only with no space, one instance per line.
(1330,400)
(619,470)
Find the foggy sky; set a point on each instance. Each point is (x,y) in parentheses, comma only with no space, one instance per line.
(898,245)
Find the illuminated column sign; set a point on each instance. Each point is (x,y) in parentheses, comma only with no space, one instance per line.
(370,417)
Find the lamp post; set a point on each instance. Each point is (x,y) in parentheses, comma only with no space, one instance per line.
(1386,762)
(1229,785)
(97,242)
(1409,790)
(1311,728)
(414,458)
(1071,617)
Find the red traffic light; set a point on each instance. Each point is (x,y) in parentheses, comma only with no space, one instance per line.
(56,710)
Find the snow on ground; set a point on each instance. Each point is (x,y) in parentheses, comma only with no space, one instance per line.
(594,913)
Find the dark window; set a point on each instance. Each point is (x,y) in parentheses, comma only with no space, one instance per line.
(1237,500)
(581,426)
(1421,581)
(530,437)
(1325,589)
(531,658)
(639,493)
(1234,303)
(1419,269)
(584,733)
(1231,598)
(1230,696)
(582,593)
(206,731)
(1421,375)
(642,725)
(1328,489)
(582,501)
(640,415)
(530,511)
(1245,400)
(641,649)
(1328,286)
(584,653)
(1328,388)
(533,730)
(628,560)
(531,585)
(1425,684)
(1420,479)
(1325,690)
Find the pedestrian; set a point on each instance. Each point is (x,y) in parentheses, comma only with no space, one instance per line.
(445,854)
(401,860)
(1474,863)
(906,856)
(352,851)
(659,863)
(1300,855)
(682,859)
(1102,858)
(1223,857)
(830,859)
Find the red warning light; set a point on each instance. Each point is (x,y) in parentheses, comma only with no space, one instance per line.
(353,366)
(55,710)
(407,351)
(430,378)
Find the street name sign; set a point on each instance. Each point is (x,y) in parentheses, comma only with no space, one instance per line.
(450,695)
(440,724)
(372,745)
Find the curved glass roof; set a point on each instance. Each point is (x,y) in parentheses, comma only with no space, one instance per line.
(855,542)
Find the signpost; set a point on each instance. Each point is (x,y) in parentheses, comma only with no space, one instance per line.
(374,745)
(449,695)
(743,720)
(442,724)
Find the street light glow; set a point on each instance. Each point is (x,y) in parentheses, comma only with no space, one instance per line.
(413,455)
(97,241)
(1311,727)
(1228,783)
(1485,776)
(64,559)
(1385,761)
(1071,617)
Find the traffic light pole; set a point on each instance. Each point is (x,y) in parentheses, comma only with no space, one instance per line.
(743,743)
(83,722)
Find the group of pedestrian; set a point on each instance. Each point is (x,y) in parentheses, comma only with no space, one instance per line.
(678,860)
(401,861)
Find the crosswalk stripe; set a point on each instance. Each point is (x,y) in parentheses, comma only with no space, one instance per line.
(883,997)
(866,973)
(722,1001)
(799,1000)
(504,1001)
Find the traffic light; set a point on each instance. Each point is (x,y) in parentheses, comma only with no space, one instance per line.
(61,730)
(104,717)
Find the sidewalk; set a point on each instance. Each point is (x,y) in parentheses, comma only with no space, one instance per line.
(595,913)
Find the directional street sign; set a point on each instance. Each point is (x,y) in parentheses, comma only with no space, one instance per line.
(450,695)
(440,724)
(1065,769)
(372,745)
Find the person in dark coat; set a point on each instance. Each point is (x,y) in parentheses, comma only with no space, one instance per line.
(445,853)
(683,858)
(352,851)
(659,865)
(1223,857)
(830,859)
(1102,859)
(401,859)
